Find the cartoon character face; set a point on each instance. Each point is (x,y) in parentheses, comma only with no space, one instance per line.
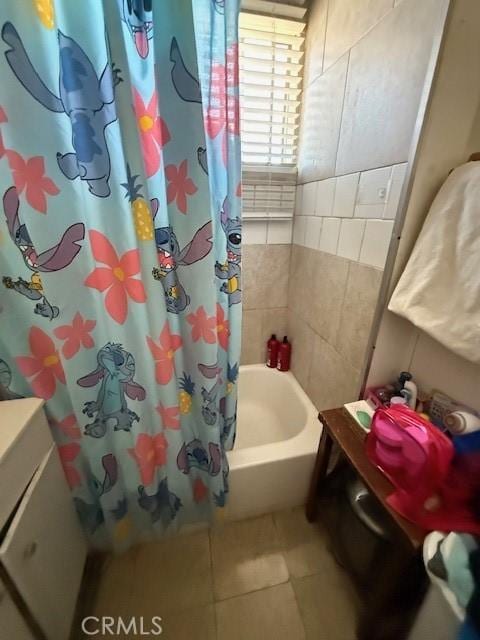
(233,231)
(168,249)
(137,15)
(194,455)
(162,505)
(53,259)
(116,360)
(197,456)
(24,243)
(209,406)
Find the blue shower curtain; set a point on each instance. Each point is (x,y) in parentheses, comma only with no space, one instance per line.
(120,236)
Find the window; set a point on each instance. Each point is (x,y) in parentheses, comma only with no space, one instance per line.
(271,68)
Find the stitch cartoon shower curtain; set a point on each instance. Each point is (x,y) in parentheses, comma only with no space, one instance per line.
(120,234)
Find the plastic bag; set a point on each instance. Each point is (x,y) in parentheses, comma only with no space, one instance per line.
(433,485)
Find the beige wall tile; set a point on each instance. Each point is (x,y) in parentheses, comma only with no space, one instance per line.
(316,288)
(265,276)
(328,605)
(257,326)
(246,557)
(386,75)
(302,272)
(333,381)
(302,338)
(321,116)
(359,304)
(274,321)
(271,613)
(315,40)
(325,288)
(252,337)
(348,22)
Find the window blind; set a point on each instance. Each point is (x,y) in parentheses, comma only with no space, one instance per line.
(268,192)
(271,70)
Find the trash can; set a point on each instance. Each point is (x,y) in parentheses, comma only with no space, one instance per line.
(363,533)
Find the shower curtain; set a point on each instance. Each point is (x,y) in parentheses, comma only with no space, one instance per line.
(120,235)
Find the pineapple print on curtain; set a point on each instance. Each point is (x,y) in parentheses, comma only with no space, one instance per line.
(120,235)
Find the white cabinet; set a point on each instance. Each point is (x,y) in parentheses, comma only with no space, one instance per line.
(43,550)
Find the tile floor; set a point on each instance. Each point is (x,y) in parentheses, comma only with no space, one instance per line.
(271,577)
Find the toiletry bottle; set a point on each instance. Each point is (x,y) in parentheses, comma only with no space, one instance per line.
(272,351)
(461,422)
(400,383)
(284,355)
(412,393)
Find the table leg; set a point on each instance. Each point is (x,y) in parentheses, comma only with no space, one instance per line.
(319,473)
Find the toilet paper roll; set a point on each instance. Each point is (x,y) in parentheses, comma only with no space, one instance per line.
(462,422)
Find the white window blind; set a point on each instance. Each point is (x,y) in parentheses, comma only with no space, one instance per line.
(268,192)
(271,73)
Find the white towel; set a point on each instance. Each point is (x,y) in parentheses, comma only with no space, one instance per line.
(439,291)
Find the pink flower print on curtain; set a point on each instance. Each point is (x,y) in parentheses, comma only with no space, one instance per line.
(116,277)
(163,354)
(150,452)
(43,364)
(223,111)
(179,185)
(29,177)
(154,133)
(76,335)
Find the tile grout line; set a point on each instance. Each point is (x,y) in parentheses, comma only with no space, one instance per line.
(349,173)
(362,36)
(214,604)
(298,608)
(342,111)
(325,37)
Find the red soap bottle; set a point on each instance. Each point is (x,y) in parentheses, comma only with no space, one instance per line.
(284,353)
(272,351)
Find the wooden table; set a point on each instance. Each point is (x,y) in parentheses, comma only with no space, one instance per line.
(402,567)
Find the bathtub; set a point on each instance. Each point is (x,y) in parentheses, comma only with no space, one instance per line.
(277,439)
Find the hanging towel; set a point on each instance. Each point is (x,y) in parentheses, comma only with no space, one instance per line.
(439,291)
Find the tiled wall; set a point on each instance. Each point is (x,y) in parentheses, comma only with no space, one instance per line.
(446,142)
(366,65)
(267,231)
(365,69)
(331,301)
(265,270)
(350,216)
